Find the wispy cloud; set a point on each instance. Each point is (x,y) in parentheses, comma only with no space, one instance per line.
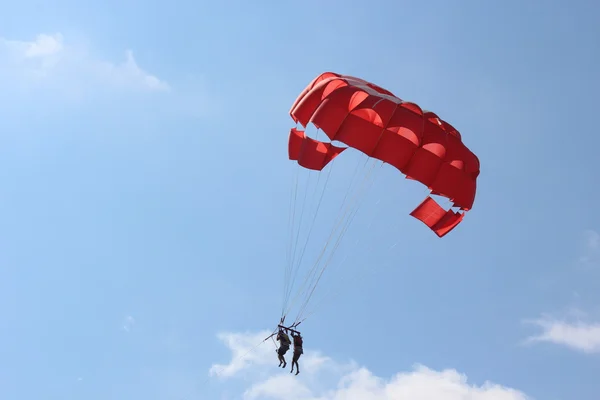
(128,323)
(49,74)
(576,334)
(49,61)
(591,248)
(575,330)
(245,350)
(323,378)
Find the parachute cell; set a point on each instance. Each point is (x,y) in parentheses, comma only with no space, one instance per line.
(374,121)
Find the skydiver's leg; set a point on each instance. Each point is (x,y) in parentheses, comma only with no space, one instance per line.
(297,366)
(280,354)
(295,362)
(283,351)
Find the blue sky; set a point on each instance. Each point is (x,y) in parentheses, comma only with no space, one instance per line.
(145,201)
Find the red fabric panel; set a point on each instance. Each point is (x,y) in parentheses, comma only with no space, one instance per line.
(450,220)
(295,144)
(436,218)
(310,153)
(311,85)
(429,212)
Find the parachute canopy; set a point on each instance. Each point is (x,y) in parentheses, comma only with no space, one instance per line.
(374,121)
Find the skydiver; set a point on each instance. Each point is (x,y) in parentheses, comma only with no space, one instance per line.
(297,351)
(284,346)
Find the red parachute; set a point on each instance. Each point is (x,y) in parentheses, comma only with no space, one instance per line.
(374,121)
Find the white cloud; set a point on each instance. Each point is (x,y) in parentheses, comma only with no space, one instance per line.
(322,378)
(577,335)
(43,46)
(51,62)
